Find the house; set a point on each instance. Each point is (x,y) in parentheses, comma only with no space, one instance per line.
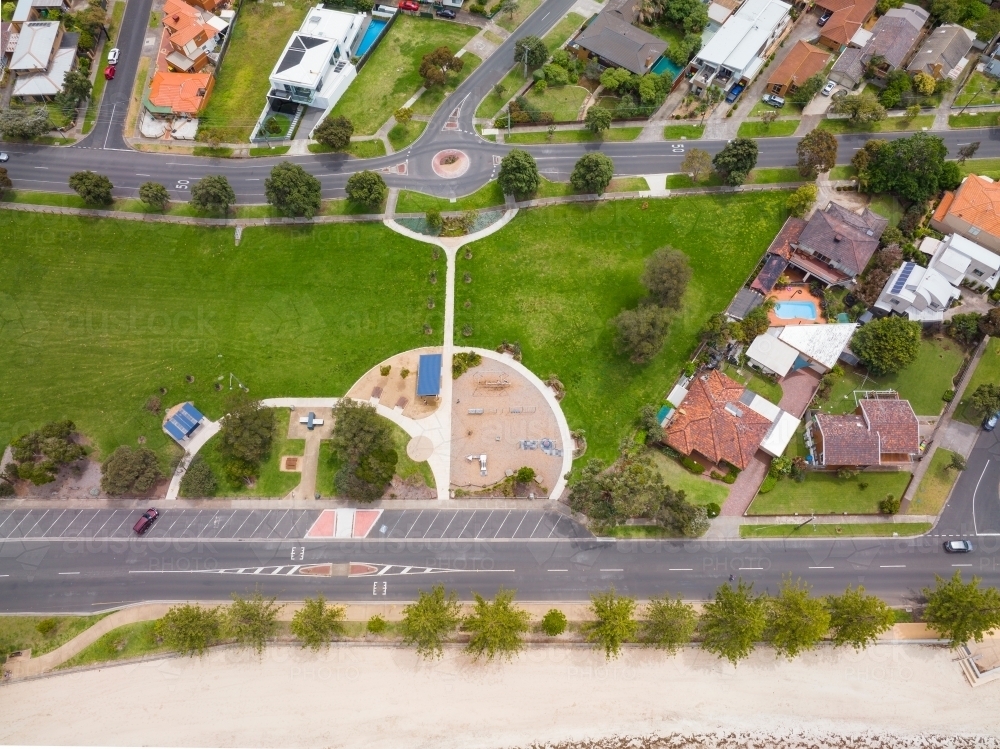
(882,431)
(786,349)
(720,420)
(179,93)
(972,211)
(846,23)
(315,67)
(209,5)
(31,10)
(193,35)
(922,294)
(738,50)
(612,39)
(892,40)
(944,54)
(8,41)
(42,57)
(961,260)
(36,46)
(802,62)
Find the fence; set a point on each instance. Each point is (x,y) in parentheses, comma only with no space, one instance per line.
(376,13)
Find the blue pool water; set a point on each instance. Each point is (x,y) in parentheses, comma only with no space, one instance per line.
(371,34)
(663,64)
(795,310)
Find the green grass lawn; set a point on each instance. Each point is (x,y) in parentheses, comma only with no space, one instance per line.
(988,167)
(257,40)
(824,493)
(417,202)
(431,99)
(887,205)
(524,9)
(563,102)
(690,132)
(935,485)
(128,641)
(272,151)
(554,277)
(400,136)
(21,633)
(291,311)
(827,530)
(222,152)
(972,119)
(663,30)
(699,490)
(680,181)
(390,76)
(776,175)
(980,89)
(366,149)
(843,172)
(562,31)
(576,136)
(778,128)
(987,371)
(491,105)
(760,108)
(99,83)
(888,125)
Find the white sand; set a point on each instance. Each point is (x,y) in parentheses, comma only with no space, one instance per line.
(377,697)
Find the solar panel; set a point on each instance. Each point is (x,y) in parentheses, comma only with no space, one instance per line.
(903,275)
(173,431)
(193,412)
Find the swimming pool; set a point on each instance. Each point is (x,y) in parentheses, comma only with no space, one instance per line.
(372,33)
(796,310)
(663,64)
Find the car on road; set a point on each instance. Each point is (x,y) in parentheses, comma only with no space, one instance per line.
(113,56)
(144,523)
(4,157)
(409,5)
(109,73)
(446,13)
(958,547)
(824,18)
(990,422)
(828,88)
(774,101)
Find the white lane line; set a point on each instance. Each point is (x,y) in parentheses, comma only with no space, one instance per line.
(821,568)
(975,527)
(69,573)
(749,568)
(502,522)
(252,179)
(541,515)
(54,523)
(41,167)
(546,15)
(279,522)
(681,569)
(433,520)
(514,534)
(891,566)
(249,515)
(557,570)
(9,516)
(142,175)
(455,515)
(4,575)
(406,535)
(266,516)
(961,565)
(554,527)
(96,513)
(26,535)
(614,569)
(231,516)
(127,518)
(472,514)
(113,512)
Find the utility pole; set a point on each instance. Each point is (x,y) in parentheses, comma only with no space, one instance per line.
(973,98)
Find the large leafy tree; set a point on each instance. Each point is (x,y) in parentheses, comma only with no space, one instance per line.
(795,620)
(804,93)
(496,627)
(913,167)
(292,190)
(598,119)
(690,15)
(962,611)
(592,173)
(427,622)
(732,623)
(94,188)
(800,201)
(199,479)
(986,398)
(190,630)
(888,345)
(532,49)
(640,332)
(964,327)
(5,183)
(316,623)
(335,132)
(39,454)
(247,429)
(817,152)
(736,159)
(698,164)
(213,193)
(518,174)
(666,276)
(367,188)
(857,619)
(154,195)
(27,123)
(130,471)
(252,621)
(860,108)
(363,442)
(614,623)
(434,67)
(668,623)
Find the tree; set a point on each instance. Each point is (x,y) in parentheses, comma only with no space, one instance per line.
(731,625)
(669,623)
(666,276)
(130,471)
(962,611)
(989,323)
(7,11)
(817,152)
(795,620)
(735,160)
(964,327)
(717,331)
(967,151)
(553,623)
(614,79)
(497,628)
(315,624)
(860,108)
(92,187)
(532,49)
(924,83)
(362,440)
(213,193)
(27,123)
(403,115)
(434,67)
(367,188)
(690,15)
(518,174)
(755,323)
(698,164)
(804,93)
(38,455)
(640,332)
(593,173)
(247,429)
(5,183)
(292,190)
(986,398)
(510,7)
(957,462)
(154,195)
(800,201)
(188,629)
(598,119)
(768,118)
(430,620)
(913,167)
(335,132)
(252,621)
(76,86)
(888,345)
(613,623)
(199,479)
(632,489)
(857,619)
(896,88)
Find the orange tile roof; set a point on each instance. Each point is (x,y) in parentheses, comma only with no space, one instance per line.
(707,422)
(848,16)
(184,93)
(977,201)
(184,22)
(803,61)
(942,210)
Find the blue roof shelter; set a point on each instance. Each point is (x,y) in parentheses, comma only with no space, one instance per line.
(182,424)
(429,375)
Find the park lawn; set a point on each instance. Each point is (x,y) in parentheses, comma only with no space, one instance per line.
(680,181)
(980,89)
(366,149)
(843,172)
(488,195)
(583,135)
(431,99)
(524,9)
(562,31)
(128,641)
(888,125)
(776,129)
(698,490)
(935,485)
(491,105)
(562,102)
(887,205)
(628,184)
(972,119)
(689,132)
(291,311)
(400,136)
(99,83)
(406,467)
(557,275)
(828,530)
(824,493)
(777,175)
(987,371)
(635,531)
(257,40)
(21,632)
(391,77)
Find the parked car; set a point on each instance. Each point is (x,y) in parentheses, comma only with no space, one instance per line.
(734,93)
(990,422)
(144,523)
(109,73)
(4,157)
(113,56)
(824,18)
(446,13)
(958,547)
(409,5)
(828,88)
(774,101)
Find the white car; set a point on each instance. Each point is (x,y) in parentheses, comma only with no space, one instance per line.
(3,157)
(113,56)
(828,88)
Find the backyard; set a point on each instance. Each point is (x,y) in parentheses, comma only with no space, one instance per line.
(391,77)
(554,277)
(987,371)
(825,493)
(291,311)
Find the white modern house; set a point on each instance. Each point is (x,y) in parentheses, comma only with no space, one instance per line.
(922,294)
(794,347)
(959,259)
(739,48)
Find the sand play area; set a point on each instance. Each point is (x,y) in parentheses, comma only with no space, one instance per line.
(375,697)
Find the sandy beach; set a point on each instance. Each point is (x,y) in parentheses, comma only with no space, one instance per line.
(375,697)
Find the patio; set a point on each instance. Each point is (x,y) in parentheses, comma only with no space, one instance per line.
(790,302)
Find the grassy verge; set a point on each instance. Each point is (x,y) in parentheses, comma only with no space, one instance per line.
(222,152)
(888,125)
(987,371)
(980,89)
(935,485)
(524,9)
(988,167)
(488,195)
(272,151)
(128,641)
(400,136)
(99,83)
(690,132)
(972,119)
(366,149)
(431,99)
(576,136)
(563,102)
(635,531)
(562,31)
(21,632)
(680,181)
(843,172)
(826,530)
(700,490)
(491,105)
(825,493)
(776,175)
(776,129)
(628,184)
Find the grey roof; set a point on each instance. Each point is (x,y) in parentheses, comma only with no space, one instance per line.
(914,14)
(893,36)
(850,64)
(848,238)
(613,37)
(943,50)
(743,303)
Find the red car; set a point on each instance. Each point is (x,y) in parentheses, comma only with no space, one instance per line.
(109,73)
(144,523)
(409,5)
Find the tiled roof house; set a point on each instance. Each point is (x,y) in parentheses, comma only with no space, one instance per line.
(972,211)
(803,61)
(882,431)
(893,38)
(849,16)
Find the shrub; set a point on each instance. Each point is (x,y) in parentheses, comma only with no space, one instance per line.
(129,471)
(154,195)
(434,220)
(730,478)
(889,505)
(376,625)
(769,483)
(712,509)
(190,629)
(524,475)
(430,620)
(335,132)
(47,626)
(93,188)
(692,465)
(252,621)
(949,396)
(199,480)
(541,87)
(554,623)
